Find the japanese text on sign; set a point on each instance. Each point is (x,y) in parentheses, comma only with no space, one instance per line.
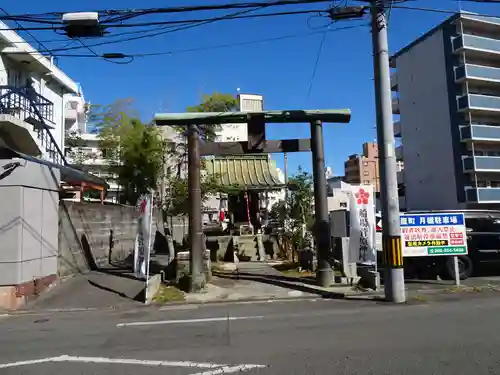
(434,219)
(433,234)
(363,238)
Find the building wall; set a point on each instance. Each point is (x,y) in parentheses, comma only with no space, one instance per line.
(28,229)
(425,123)
(363,168)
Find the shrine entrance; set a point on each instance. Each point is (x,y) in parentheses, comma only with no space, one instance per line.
(257,144)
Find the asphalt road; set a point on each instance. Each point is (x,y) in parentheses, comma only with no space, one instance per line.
(458,336)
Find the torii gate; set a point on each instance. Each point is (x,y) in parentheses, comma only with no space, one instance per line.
(256,144)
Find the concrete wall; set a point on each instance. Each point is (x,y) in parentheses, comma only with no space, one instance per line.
(425,122)
(91,234)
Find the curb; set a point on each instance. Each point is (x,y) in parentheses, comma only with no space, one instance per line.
(365,295)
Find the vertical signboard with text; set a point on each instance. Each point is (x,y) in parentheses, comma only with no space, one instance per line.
(143,237)
(362,225)
(433,234)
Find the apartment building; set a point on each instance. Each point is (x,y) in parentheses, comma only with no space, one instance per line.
(363,168)
(88,156)
(446,102)
(33,116)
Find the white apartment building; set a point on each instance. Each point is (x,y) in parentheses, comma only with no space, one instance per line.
(89,157)
(33,93)
(446,102)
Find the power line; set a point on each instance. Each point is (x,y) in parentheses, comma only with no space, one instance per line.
(177,22)
(131,13)
(169,30)
(21,27)
(221,46)
(316,63)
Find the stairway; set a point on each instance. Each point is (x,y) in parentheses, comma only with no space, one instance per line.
(27,105)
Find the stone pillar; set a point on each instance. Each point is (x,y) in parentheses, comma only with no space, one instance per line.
(29,220)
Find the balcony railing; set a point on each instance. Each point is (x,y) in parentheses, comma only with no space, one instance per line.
(482,164)
(24,102)
(31,107)
(483,195)
(476,102)
(476,43)
(476,72)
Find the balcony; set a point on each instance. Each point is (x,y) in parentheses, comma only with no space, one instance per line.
(482,195)
(483,133)
(471,72)
(26,118)
(74,111)
(394,82)
(397,128)
(395,106)
(482,164)
(476,45)
(24,103)
(479,103)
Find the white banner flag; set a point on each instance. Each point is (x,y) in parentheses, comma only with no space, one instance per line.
(143,238)
(362,247)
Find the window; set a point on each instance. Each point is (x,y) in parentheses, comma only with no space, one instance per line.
(365,173)
(365,163)
(366,182)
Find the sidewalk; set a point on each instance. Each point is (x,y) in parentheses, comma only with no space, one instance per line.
(110,287)
(260,281)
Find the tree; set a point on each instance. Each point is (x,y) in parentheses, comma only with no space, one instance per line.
(177,203)
(134,150)
(301,197)
(297,211)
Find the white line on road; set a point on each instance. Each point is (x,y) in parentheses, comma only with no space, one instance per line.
(179,307)
(229,370)
(30,362)
(125,361)
(212,368)
(190,321)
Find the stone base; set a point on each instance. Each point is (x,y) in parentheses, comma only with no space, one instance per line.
(183,269)
(14,297)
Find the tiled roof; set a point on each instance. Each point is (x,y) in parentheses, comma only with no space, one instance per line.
(251,172)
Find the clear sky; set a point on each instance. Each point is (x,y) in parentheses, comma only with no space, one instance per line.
(281,70)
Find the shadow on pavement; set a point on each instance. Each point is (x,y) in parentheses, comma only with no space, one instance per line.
(285,282)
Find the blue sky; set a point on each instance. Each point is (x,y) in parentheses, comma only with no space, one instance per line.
(280,70)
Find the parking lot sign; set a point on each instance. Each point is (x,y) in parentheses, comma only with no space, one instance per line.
(433,234)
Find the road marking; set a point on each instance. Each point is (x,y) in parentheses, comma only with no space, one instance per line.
(125,361)
(180,307)
(190,321)
(30,362)
(212,368)
(229,369)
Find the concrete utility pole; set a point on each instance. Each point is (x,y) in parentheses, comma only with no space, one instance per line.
(197,277)
(394,283)
(324,273)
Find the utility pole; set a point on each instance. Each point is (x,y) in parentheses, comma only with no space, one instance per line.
(394,283)
(324,272)
(197,276)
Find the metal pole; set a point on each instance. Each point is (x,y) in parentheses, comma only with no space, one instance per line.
(457,270)
(324,272)
(197,277)
(394,283)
